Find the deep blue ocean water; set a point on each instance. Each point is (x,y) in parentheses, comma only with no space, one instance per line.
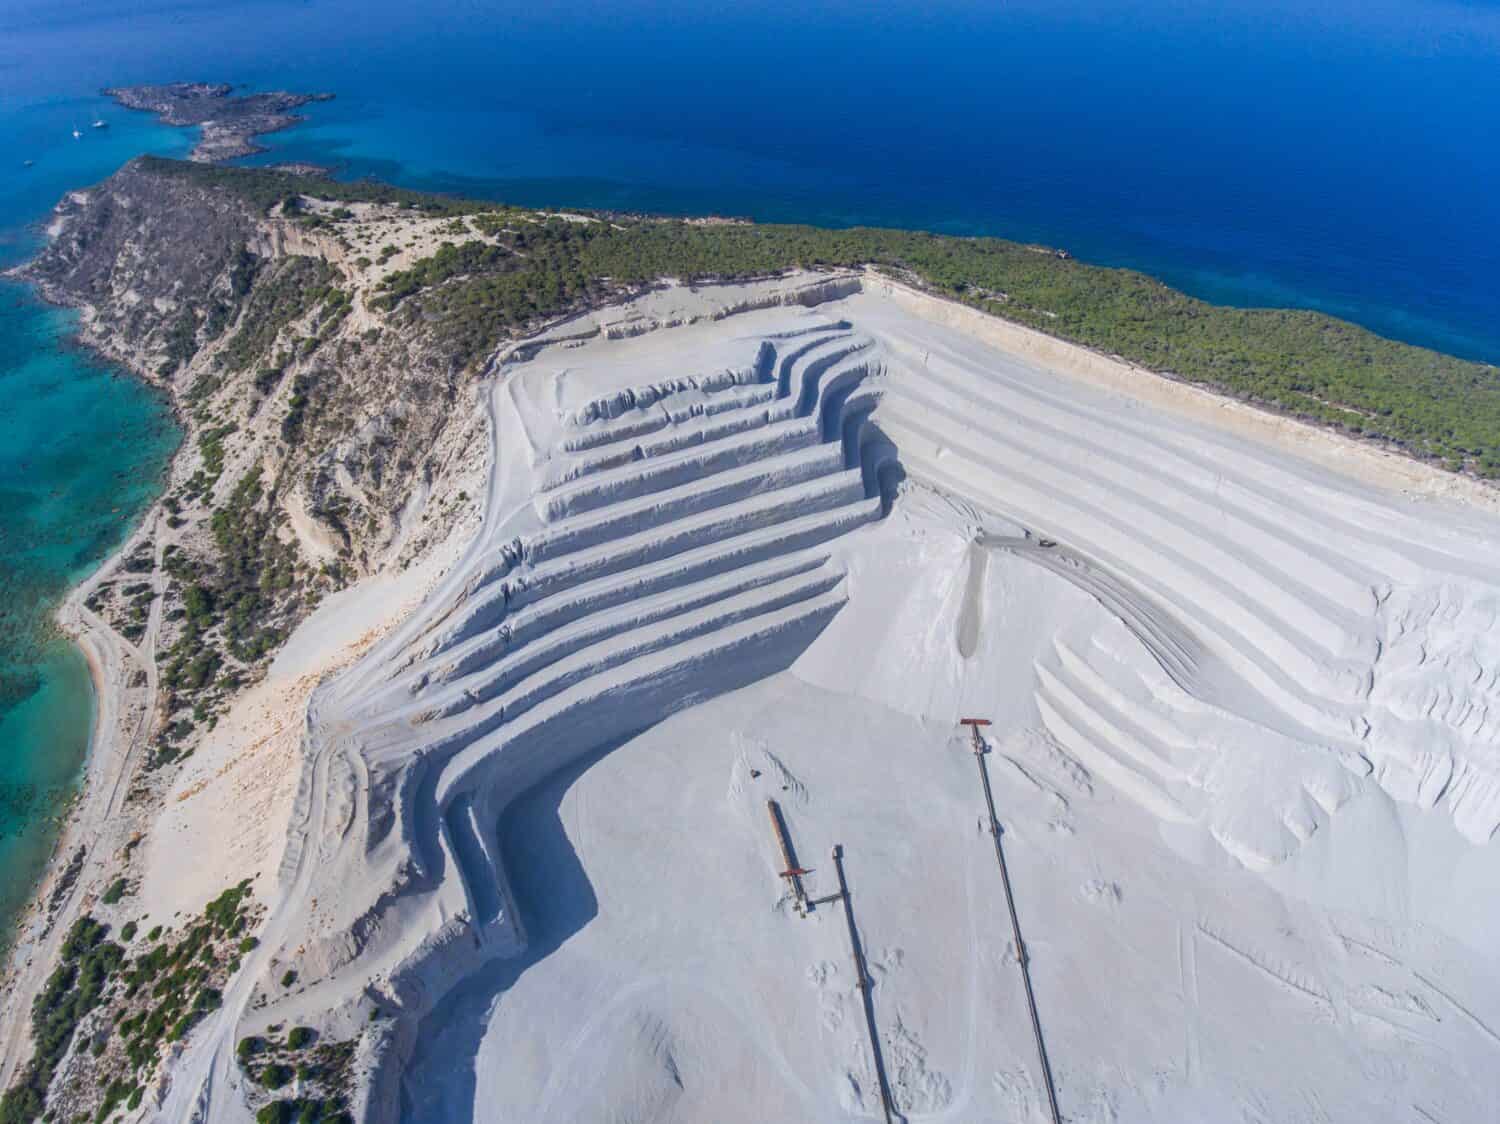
(1339,154)
(1333,154)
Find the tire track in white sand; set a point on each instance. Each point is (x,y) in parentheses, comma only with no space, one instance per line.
(1317,577)
(1280,572)
(1193,549)
(1219,467)
(1239,635)
(1302,989)
(1469,1016)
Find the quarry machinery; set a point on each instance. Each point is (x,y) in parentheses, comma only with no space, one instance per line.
(790,870)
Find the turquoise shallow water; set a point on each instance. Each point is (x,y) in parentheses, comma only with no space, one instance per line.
(82,452)
(82,449)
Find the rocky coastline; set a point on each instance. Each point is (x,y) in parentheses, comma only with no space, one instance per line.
(330,500)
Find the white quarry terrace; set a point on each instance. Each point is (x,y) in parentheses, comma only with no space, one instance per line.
(1245,752)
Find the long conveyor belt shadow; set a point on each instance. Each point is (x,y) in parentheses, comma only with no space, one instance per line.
(1023,958)
(862,978)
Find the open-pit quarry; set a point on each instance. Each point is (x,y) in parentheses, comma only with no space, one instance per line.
(772,544)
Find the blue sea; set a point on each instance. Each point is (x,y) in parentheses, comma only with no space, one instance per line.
(1342,155)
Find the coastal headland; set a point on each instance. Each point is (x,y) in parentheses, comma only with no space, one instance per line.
(488,516)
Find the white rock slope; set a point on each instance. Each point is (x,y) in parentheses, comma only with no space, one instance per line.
(1247,749)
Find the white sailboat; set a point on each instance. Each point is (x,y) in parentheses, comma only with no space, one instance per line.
(77,135)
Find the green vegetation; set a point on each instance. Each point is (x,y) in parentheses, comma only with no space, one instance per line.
(126,606)
(226,912)
(253,564)
(179,977)
(181,342)
(1302,363)
(202,390)
(233,603)
(322,1073)
(243,267)
(117,1092)
(290,289)
(148,1001)
(302,1111)
(296,408)
(115,892)
(266,379)
(335,305)
(74,989)
(265,189)
(211,448)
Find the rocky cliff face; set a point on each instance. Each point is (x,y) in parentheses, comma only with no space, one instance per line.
(139,253)
(320,445)
(316,435)
(330,433)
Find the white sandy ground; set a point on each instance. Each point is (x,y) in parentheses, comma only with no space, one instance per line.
(125,681)
(245,772)
(1247,749)
(1266,892)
